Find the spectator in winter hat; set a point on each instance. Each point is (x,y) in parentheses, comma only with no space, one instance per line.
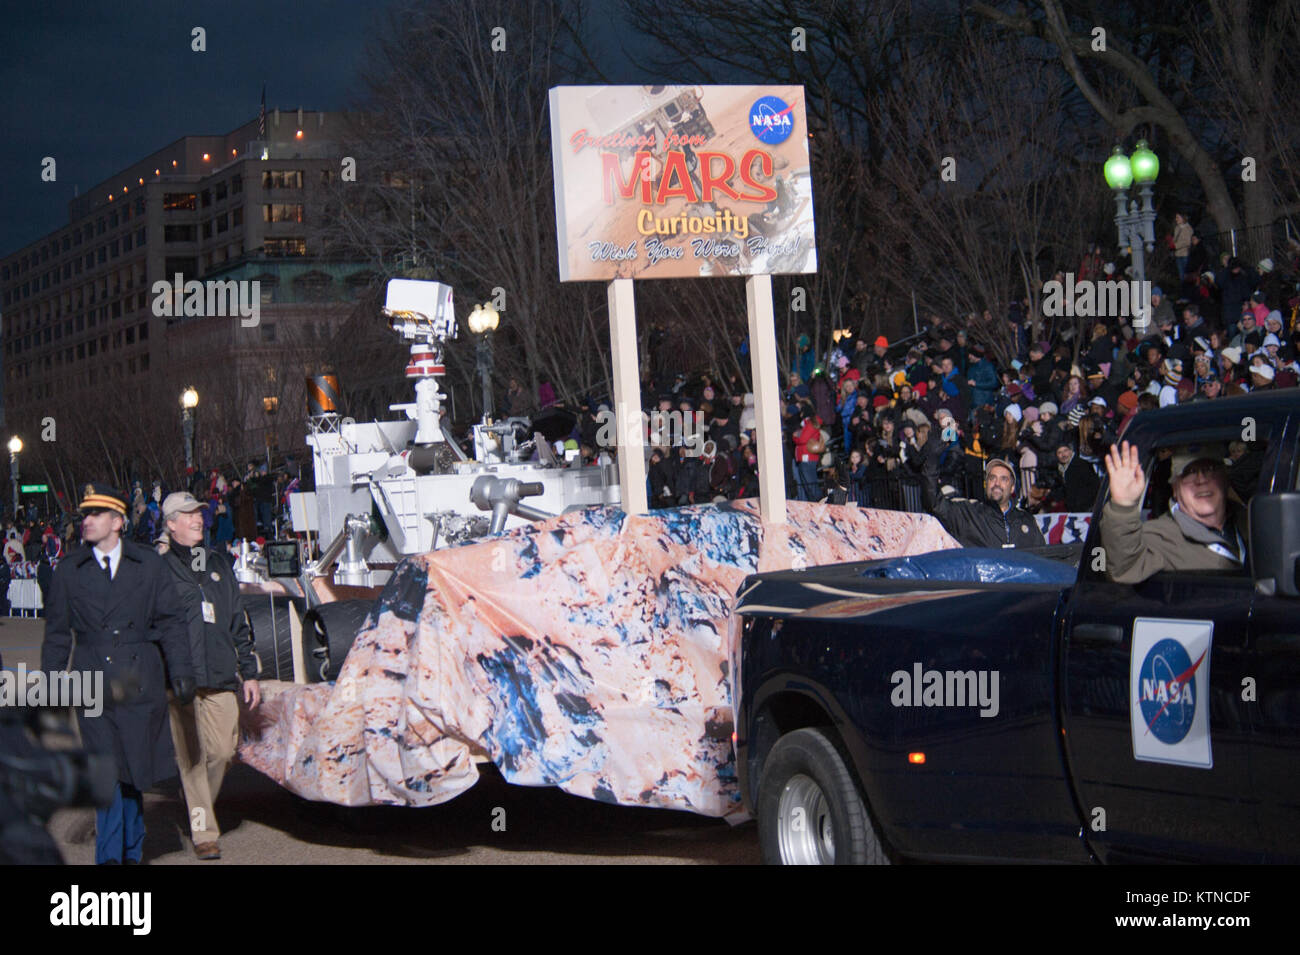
(1261,378)
(1229,358)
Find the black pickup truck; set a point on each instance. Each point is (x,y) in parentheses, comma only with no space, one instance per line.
(1051,715)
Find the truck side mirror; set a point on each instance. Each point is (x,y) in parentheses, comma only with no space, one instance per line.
(1275,543)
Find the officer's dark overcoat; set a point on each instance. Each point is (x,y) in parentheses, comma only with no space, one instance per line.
(124,629)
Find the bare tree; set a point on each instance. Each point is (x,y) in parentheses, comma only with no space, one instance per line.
(1127,78)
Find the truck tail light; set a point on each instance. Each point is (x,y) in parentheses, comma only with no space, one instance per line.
(916,759)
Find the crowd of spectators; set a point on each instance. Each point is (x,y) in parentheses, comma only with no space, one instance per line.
(253,507)
(861,420)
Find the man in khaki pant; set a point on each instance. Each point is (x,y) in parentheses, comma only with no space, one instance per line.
(206,731)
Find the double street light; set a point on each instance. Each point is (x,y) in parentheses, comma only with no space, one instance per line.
(1135,223)
(483,320)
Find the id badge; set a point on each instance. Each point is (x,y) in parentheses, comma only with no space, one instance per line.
(209,612)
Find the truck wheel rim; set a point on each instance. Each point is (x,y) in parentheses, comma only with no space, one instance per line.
(804,827)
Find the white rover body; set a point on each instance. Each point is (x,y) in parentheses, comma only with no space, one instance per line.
(410,477)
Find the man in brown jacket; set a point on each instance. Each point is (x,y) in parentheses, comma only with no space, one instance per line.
(1202,531)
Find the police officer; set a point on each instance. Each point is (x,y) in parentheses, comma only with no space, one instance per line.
(206,730)
(116,600)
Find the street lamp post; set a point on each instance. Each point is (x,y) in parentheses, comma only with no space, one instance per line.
(189,401)
(483,320)
(270,405)
(1135,224)
(15,446)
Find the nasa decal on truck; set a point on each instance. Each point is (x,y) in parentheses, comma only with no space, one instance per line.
(1169,684)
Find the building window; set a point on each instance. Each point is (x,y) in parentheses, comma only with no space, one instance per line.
(282,179)
(206,197)
(207,229)
(139,237)
(126,242)
(173,201)
(130,336)
(114,248)
(144,332)
(179,233)
(282,212)
(144,362)
(112,220)
(103,255)
(99,227)
(286,247)
(236,184)
(223,223)
(221,191)
(139,206)
(237,217)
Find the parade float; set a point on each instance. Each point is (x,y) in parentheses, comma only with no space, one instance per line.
(536,615)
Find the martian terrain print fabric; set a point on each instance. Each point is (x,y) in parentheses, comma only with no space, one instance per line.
(588,652)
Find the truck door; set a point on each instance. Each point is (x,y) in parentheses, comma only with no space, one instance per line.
(1156,733)
(1274,664)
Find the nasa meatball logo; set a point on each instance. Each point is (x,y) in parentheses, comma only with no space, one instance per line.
(771,120)
(1167,693)
(1169,680)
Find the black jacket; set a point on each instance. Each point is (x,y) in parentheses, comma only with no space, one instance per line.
(223,651)
(123,629)
(1079,485)
(975,523)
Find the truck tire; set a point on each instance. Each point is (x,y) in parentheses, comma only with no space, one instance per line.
(330,630)
(809,809)
(268,618)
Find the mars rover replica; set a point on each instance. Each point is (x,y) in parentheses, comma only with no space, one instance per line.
(385,490)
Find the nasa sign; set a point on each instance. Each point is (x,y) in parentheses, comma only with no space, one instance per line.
(681,181)
(1169,682)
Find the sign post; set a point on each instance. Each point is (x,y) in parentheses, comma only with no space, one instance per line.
(685,182)
(767,398)
(627,397)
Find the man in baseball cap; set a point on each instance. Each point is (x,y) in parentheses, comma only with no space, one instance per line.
(1202,531)
(995,521)
(206,730)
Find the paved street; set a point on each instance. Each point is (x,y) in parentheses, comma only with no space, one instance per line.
(264,823)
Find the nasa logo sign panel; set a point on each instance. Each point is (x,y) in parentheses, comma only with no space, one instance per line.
(1169,684)
(770,120)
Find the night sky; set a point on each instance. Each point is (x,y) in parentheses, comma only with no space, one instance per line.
(100,85)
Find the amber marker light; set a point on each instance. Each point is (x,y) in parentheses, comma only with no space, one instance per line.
(916,759)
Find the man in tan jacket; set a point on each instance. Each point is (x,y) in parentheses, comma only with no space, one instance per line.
(1202,530)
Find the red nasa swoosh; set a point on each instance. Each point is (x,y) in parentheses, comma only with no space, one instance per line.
(1181,680)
